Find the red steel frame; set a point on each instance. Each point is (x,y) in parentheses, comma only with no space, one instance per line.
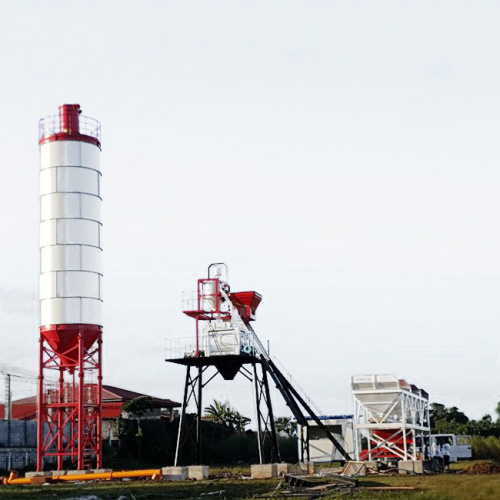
(69,414)
(201,315)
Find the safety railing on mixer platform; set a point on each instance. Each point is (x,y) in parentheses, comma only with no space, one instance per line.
(180,348)
(212,343)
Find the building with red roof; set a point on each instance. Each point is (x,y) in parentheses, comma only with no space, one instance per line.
(113,399)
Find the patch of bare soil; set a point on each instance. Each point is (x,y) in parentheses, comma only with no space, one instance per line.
(484,468)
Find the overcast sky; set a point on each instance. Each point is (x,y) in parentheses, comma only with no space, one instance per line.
(341,157)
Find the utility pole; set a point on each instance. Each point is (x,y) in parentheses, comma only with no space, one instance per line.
(8,398)
(8,406)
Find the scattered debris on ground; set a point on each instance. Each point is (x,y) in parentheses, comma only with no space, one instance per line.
(229,475)
(310,487)
(362,469)
(484,468)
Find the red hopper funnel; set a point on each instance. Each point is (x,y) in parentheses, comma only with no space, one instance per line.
(246,303)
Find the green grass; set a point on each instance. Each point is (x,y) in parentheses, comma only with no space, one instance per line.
(432,487)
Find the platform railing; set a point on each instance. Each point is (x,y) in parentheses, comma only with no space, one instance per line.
(210,344)
(51,125)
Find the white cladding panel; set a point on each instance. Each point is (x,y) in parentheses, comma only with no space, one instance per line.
(78,231)
(69,154)
(71,258)
(70,205)
(68,311)
(69,284)
(70,227)
(70,180)
(70,232)
(48,232)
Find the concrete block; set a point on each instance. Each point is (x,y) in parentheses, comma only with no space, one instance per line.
(263,471)
(411,466)
(35,474)
(306,468)
(60,472)
(371,464)
(355,469)
(418,466)
(198,472)
(282,469)
(71,472)
(174,473)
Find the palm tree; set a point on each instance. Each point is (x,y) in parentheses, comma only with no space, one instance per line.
(219,413)
(239,422)
(223,414)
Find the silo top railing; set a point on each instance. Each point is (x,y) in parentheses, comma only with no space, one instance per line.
(51,125)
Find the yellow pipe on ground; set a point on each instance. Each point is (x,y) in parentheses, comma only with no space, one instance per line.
(21,480)
(153,473)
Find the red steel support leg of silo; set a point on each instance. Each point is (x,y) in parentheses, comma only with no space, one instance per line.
(99,403)
(74,419)
(60,421)
(39,454)
(81,382)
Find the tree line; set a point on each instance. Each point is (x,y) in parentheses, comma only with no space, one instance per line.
(453,421)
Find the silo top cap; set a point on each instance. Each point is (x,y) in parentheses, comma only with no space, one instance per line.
(70,126)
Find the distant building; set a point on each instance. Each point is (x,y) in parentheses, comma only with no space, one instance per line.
(18,436)
(113,399)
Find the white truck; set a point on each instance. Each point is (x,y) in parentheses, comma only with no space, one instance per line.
(460,446)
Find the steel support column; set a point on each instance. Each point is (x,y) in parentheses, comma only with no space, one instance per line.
(193,389)
(193,392)
(199,416)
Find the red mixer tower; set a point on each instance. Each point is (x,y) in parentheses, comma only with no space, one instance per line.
(69,410)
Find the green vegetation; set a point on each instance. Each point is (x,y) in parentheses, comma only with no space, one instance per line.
(137,408)
(284,425)
(486,448)
(453,421)
(223,414)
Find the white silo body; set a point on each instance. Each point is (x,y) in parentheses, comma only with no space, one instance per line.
(70,233)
